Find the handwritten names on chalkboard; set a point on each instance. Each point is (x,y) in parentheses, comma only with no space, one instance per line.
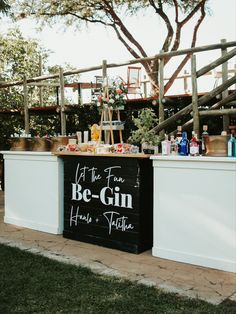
(114,220)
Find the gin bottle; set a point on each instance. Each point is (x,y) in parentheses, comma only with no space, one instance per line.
(165,146)
(184,145)
(194,146)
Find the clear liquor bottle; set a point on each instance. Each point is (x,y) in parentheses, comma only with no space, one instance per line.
(173,146)
(179,133)
(165,146)
(179,136)
(205,135)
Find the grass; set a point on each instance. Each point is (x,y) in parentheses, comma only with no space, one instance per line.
(31,283)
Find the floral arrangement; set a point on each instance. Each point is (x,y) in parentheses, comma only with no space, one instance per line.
(112,96)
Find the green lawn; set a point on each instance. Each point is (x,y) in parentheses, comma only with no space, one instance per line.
(30,283)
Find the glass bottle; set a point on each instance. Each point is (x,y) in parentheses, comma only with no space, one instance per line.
(194,146)
(173,146)
(179,133)
(179,136)
(165,146)
(234,143)
(184,145)
(231,146)
(204,139)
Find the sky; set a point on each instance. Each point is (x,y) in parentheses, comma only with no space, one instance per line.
(92,45)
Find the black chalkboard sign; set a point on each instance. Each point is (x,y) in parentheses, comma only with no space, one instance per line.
(109,201)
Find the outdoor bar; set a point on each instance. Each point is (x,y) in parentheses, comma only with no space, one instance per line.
(195,210)
(87,197)
(157,188)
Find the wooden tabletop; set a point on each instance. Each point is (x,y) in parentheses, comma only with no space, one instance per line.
(81,154)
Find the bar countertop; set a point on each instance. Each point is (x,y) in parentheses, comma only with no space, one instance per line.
(81,154)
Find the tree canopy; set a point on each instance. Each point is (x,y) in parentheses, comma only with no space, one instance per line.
(4,6)
(112,14)
(19,58)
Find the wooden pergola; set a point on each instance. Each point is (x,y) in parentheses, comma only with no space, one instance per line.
(197,100)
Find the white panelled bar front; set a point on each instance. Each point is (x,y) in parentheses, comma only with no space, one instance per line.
(195,210)
(34,190)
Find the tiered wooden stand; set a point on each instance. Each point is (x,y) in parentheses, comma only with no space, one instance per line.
(111,127)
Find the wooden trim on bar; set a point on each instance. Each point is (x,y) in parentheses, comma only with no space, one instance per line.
(81,154)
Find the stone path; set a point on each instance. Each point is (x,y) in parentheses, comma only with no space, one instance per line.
(207,284)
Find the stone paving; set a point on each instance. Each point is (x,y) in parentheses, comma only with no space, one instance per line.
(207,284)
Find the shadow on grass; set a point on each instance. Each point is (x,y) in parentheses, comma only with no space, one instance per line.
(31,283)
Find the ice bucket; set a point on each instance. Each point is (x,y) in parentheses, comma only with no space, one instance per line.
(41,144)
(58,141)
(216,145)
(20,143)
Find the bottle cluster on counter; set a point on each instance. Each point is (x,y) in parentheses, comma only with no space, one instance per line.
(82,141)
(182,146)
(82,144)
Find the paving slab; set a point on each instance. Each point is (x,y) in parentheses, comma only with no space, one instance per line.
(207,284)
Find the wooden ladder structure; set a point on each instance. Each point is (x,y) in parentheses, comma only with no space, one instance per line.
(193,108)
(110,127)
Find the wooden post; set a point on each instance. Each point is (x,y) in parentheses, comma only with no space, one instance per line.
(235,73)
(105,93)
(62,103)
(145,86)
(104,68)
(120,131)
(40,87)
(186,82)
(195,97)
(225,93)
(161,94)
(26,109)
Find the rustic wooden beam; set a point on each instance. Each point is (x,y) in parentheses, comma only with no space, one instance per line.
(161,94)
(196,124)
(62,103)
(224,101)
(225,92)
(129,62)
(105,93)
(221,103)
(38,84)
(217,62)
(40,87)
(26,109)
(202,100)
(220,112)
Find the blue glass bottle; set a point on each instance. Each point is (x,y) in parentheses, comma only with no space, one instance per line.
(184,143)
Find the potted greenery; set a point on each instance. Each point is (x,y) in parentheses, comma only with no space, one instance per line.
(144,135)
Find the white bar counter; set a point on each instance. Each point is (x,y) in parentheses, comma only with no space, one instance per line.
(195,210)
(34,190)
